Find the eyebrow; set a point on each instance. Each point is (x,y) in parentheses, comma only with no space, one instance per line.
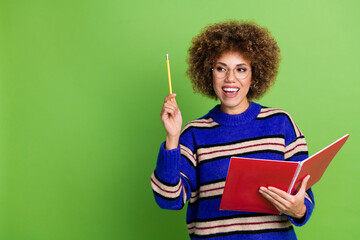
(240,64)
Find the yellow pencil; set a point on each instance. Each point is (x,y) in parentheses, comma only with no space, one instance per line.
(169,76)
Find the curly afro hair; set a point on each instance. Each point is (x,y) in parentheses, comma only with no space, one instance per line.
(255,43)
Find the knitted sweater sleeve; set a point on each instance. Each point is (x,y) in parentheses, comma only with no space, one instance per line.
(296,150)
(174,177)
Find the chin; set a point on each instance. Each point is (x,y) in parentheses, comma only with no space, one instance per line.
(241,105)
(232,104)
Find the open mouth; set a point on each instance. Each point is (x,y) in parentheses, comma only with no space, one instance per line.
(230,90)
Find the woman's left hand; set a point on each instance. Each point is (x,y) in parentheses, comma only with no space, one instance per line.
(291,205)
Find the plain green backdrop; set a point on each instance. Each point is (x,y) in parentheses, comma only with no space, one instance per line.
(82,85)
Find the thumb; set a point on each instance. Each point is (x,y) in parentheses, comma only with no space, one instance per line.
(304,184)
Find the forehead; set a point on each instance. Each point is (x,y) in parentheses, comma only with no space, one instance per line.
(232,59)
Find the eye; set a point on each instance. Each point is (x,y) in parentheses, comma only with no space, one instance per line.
(220,69)
(241,69)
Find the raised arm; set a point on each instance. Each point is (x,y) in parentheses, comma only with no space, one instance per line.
(175,176)
(172,121)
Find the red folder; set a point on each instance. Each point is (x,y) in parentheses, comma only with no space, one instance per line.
(245,177)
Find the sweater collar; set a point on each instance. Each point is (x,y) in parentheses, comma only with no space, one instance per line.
(235,119)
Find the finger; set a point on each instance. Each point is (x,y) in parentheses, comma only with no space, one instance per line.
(169,111)
(279,192)
(171,105)
(278,205)
(169,97)
(276,197)
(303,185)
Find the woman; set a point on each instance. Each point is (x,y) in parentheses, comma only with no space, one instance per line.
(234,62)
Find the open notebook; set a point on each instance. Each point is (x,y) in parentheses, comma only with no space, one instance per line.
(245,177)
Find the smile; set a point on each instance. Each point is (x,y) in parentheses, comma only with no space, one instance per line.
(230,90)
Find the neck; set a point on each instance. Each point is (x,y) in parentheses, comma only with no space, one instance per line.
(226,119)
(235,110)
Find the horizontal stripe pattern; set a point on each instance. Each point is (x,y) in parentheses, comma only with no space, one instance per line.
(238,225)
(206,147)
(189,155)
(267,143)
(167,191)
(212,189)
(194,197)
(200,123)
(298,146)
(271,112)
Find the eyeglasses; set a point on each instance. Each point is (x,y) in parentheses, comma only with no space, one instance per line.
(240,72)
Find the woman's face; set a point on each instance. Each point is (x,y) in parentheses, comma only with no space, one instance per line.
(231,82)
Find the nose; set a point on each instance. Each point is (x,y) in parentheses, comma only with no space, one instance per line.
(230,77)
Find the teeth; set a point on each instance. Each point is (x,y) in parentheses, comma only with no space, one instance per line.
(230,89)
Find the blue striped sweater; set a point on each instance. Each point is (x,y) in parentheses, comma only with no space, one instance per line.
(196,171)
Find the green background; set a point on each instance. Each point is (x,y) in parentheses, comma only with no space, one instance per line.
(82,85)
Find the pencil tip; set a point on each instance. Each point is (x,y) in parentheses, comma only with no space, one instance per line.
(167,56)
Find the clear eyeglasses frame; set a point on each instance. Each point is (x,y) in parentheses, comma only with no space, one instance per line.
(240,72)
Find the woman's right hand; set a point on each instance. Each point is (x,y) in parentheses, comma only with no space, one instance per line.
(172,121)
